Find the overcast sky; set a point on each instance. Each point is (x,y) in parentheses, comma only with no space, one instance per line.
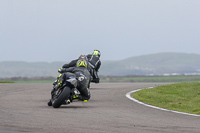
(61,30)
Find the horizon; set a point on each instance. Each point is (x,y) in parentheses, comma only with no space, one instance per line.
(154,64)
(105,60)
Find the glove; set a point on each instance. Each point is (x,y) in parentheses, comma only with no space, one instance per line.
(60,70)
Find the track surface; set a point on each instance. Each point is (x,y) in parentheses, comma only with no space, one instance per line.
(23,108)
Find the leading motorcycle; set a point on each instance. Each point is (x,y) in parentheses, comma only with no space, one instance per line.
(64,94)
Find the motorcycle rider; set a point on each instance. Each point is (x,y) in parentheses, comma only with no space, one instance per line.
(94,65)
(83,76)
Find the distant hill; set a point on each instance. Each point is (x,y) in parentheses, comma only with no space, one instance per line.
(161,63)
(157,64)
(27,69)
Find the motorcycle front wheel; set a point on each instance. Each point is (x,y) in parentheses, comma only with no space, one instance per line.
(61,97)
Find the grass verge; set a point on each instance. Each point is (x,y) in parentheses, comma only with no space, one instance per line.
(176,78)
(183,97)
(34,81)
(7,82)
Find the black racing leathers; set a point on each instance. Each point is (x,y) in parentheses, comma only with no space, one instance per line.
(83,76)
(94,65)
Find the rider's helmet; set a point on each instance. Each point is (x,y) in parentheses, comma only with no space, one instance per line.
(96,52)
(81,62)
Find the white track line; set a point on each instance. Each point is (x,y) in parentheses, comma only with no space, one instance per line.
(128,95)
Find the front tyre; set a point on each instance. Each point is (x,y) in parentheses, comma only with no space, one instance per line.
(58,101)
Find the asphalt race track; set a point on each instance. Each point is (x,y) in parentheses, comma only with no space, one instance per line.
(23,108)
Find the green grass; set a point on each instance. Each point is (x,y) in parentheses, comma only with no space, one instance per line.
(7,82)
(180,78)
(183,97)
(35,81)
(28,81)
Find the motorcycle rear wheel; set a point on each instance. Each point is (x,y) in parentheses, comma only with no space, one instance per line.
(62,97)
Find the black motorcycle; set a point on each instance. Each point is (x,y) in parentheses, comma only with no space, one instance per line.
(64,94)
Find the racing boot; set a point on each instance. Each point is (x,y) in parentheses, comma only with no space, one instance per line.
(78,97)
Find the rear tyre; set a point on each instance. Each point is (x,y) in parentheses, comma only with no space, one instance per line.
(61,98)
